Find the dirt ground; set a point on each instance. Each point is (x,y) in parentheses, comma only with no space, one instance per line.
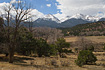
(36,63)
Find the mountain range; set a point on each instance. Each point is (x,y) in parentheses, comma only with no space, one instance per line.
(42,20)
(69,21)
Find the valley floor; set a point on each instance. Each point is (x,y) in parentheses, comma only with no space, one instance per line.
(24,63)
(44,63)
(97,39)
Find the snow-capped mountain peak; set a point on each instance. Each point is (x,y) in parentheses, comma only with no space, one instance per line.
(81,16)
(92,18)
(78,16)
(86,17)
(51,17)
(65,18)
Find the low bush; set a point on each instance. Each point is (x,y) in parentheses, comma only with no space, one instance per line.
(76,50)
(85,57)
(104,48)
(91,48)
(45,49)
(67,51)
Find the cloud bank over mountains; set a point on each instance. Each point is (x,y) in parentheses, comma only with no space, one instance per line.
(87,7)
(69,8)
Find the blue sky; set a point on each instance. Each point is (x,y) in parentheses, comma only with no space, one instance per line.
(63,8)
(41,5)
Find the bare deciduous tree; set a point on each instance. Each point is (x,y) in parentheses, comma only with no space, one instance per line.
(22,12)
(49,34)
(83,43)
(30,25)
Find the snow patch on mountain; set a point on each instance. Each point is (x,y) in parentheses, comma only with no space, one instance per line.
(51,17)
(86,17)
(81,16)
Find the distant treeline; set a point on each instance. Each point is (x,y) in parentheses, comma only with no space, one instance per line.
(89,29)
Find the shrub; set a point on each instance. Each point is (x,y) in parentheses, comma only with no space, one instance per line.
(45,49)
(91,48)
(85,57)
(53,50)
(76,50)
(104,48)
(61,43)
(67,51)
(27,44)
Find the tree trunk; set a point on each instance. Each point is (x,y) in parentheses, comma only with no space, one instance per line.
(11,56)
(12,47)
(11,53)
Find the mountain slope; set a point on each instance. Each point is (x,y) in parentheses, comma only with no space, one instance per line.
(69,21)
(49,23)
(102,19)
(72,22)
(51,17)
(89,29)
(45,23)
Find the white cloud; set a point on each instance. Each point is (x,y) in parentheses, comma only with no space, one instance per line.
(87,7)
(34,12)
(2,6)
(48,5)
(15,1)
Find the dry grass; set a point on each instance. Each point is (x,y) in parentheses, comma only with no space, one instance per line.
(31,63)
(39,63)
(71,39)
(97,39)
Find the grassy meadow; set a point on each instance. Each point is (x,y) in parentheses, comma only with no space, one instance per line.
(45,63)
(97,39)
